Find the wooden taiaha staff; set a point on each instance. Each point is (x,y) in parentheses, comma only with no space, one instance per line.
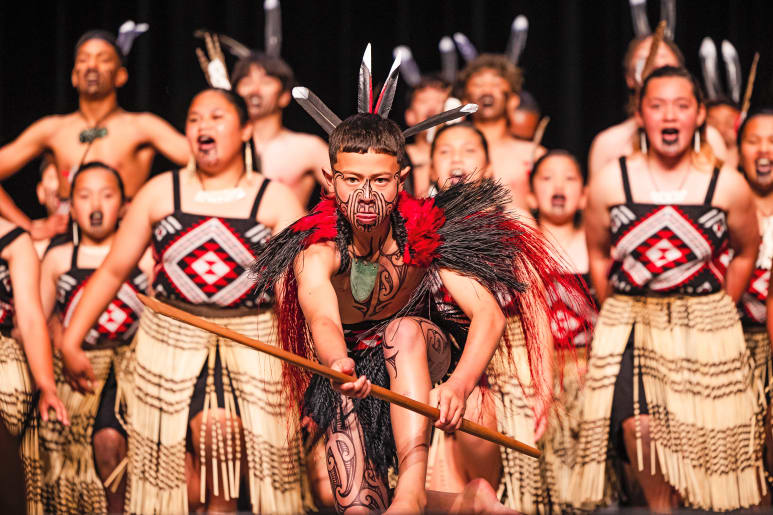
(376,391)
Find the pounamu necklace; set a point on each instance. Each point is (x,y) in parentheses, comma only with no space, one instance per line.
(89,134)
(362,278)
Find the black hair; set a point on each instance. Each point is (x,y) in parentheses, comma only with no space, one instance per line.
(528,103)
(461,125)
(555,153)
(432,80)
(273,66)
(497,62)
(672,71)
(722,100)
(97,164)
(363,132)
(105,36)
(235,100)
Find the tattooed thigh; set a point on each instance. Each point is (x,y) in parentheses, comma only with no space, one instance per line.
(412,331)
(353,479)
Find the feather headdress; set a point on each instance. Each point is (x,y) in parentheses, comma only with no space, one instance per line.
(366,103)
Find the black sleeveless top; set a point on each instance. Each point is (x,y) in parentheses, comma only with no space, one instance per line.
(119,321)
(6,292)
(202,259)
(667,248)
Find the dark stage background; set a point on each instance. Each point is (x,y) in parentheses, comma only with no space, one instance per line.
(572,57)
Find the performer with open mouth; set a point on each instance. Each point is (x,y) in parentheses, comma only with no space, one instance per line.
(357,276)
(206,224)
(668,353)
(558,196)
(71,483)
(755,144)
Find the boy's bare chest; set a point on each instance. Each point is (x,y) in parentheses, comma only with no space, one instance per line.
(392,282)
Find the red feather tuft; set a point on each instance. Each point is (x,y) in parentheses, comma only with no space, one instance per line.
(422,221)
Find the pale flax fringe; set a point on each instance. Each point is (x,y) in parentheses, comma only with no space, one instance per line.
(169,356)
(70,481)
(758,343)
(523,486)
(16,393)
(559,443)
(16,387)
(705,404)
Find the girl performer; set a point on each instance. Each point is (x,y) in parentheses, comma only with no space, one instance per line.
(669,379)
(21,313)
(71,482)
(206,223)
(755,144)
(557,198)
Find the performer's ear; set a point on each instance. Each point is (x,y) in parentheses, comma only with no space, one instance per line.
(701,115)
(247,131)
(284,99)
(74,78)
(121,77)
(404,174)
(328,180)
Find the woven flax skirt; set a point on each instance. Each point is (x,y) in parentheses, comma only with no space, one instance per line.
(704,401)
(169,356)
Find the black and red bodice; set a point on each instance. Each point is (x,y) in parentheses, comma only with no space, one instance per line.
(668,248)
(119,321)
(203,259)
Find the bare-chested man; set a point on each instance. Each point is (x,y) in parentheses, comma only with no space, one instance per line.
(293,158)
(426,99)
(618,140)
(98,131)
(491,81)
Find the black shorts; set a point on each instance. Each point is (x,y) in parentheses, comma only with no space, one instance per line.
(200,389)
(622,400)
(106,417)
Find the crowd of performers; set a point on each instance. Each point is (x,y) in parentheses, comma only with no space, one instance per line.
(615,319)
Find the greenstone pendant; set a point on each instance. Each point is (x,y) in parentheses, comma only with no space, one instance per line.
(362,279)
(89,135)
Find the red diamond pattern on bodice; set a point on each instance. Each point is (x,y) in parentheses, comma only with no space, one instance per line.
(115,319)
(662,251)
(211,268)
(208,263)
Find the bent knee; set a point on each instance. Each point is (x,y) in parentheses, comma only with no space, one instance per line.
(404,334)
(109,448)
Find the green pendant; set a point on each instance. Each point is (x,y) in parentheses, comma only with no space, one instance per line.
(362,279)
(89,135)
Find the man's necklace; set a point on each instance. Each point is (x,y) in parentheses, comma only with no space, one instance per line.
(89,134)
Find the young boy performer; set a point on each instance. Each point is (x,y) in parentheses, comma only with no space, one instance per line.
(355,278)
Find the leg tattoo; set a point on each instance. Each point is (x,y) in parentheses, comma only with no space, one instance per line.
(353,479)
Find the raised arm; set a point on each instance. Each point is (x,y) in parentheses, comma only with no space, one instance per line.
(24,268)
(165,138)
(128,247)
(743,230)
(13,156)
